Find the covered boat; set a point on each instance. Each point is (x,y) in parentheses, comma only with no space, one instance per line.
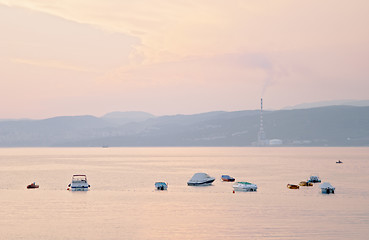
(327,188)
(293,186)
(227,178)
(79,183)
(200,179)
(245,186)
(32,185)
(161,186)
(307,184)
(314,179)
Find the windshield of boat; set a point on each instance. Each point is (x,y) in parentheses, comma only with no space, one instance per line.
(79,178)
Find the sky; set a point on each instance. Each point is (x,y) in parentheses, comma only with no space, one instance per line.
(91,57)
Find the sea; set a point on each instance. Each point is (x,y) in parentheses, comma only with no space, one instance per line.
(123,204)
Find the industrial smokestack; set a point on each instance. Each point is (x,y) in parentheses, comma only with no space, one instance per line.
(261,134)
(261,101)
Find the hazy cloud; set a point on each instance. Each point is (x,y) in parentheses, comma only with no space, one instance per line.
(181,56)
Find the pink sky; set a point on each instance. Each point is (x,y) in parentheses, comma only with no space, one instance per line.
(77,57)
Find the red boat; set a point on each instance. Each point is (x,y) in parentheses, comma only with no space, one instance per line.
(32,185)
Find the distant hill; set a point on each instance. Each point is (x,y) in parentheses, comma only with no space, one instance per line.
(120,118)
(323,126)
(347,102)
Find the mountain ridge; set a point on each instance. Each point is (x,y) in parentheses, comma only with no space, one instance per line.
(322,126)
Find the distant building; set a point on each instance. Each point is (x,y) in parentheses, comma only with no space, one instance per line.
(275,141)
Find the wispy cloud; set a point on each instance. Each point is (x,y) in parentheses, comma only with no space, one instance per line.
(229,52)
(51,64)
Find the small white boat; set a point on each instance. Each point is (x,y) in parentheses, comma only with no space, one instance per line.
(200,179)
(79,183)
(161,186)
(245,186)
(327,188)
(314,179)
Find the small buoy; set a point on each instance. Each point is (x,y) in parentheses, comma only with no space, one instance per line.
(233,191)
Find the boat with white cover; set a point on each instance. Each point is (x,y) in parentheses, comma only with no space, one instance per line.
(327,188)
(245,186)
(79,183)
(200,179)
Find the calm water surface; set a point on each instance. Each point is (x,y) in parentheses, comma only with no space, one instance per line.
(122,202)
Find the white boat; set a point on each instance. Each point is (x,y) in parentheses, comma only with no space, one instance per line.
(327,188)
(200,179)
(245,186)
(79,183)
(314,179)
(161,186)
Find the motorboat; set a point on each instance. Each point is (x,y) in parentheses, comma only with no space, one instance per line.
(306,184)
(227,178)
(293,186)
(32,185)
(245,186)
(200,179)
(314,179)
(339,161)
(79,183)
(161,186)
(327,188)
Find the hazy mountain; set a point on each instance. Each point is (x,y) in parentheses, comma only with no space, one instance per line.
(120,118)
(49,132)
(347,102)
(324,126)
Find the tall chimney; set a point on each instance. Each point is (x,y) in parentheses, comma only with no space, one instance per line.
(261,134)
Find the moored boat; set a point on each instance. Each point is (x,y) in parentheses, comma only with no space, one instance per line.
(306,184)
(245,186)
(227,178)
(200,179)
(161,186)
(32,185)
(339,161)
(79,183)
(293,186)
(314,179)
(327,188)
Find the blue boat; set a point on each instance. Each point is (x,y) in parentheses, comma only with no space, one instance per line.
(161,186)
(314,179)
(227,178)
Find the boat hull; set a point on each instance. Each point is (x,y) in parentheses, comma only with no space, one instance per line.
(293,186)
(314,181)
(205,183)
(328,190)
(75,189)
(242,189)
(228,180)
